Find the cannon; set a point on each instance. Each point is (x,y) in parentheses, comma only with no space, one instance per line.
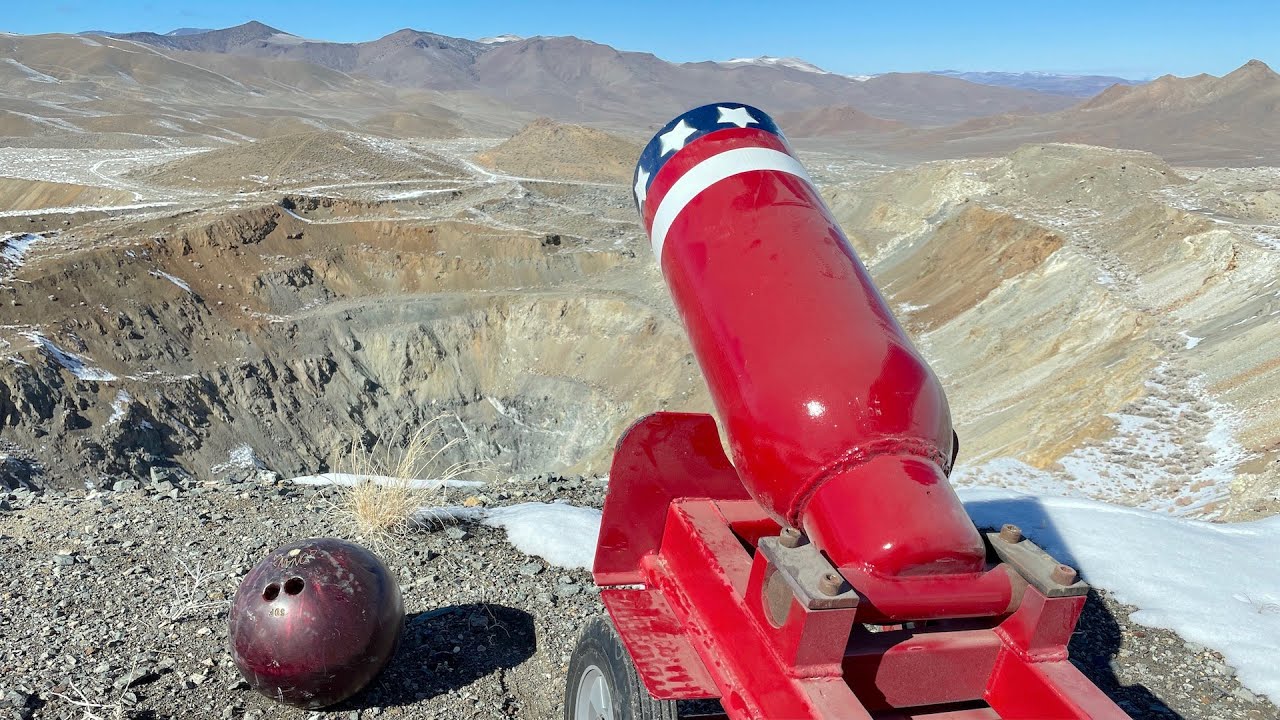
(828,570)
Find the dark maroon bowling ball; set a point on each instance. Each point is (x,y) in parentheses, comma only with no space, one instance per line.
(315,621)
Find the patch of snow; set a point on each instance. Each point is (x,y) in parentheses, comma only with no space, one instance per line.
(119,407)
(76,364)
(908,308)
(1191,341)
(561,534)
(498,39)
(410,194)
(792,63)
(89,42)
(14,247)
(295,215)
(350,480)
(83,208)
(171,278)
(787,62)
(1268,240)
(241,457)
(32,75)
(1213,584)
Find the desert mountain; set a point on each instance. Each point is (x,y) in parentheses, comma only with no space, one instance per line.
(1053,83)
(231,39)
(546,148)
(577,80)
(1196,120)
(109,92)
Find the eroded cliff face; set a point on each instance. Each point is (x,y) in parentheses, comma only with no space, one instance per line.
(1101,322)
(262,338)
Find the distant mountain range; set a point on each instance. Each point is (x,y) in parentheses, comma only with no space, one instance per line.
(574,79)
(1202,119)
(1053,83)
(254,81)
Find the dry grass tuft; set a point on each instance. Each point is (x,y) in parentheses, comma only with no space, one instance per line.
(393,485)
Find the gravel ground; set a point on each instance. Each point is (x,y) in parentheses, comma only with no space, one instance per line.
(114,606)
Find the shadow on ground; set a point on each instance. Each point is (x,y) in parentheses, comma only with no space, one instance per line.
(1097,639)
(447,649)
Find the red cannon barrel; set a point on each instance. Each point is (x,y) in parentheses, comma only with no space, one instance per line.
(835,423)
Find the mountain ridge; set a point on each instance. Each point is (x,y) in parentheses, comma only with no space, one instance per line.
(575,79)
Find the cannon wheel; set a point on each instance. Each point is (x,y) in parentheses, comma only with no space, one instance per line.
(603,684)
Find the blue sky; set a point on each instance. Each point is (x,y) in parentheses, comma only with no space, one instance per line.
(1132,39)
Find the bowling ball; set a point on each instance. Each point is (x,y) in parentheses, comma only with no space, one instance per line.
(315,621)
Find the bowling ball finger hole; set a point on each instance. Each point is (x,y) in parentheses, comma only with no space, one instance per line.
(272,591)
(293,586)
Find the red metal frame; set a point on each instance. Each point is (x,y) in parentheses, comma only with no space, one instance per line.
(688,605)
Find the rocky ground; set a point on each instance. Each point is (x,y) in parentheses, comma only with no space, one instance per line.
(115,606)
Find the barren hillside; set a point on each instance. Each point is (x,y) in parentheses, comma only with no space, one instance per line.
(835,121)
(1091,324)
(546,148)
(295,160)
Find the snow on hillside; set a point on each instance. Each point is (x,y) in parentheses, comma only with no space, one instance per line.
(77,365)
(14,248)
(498,39)
(1132,466)
(32,75)
(787,62)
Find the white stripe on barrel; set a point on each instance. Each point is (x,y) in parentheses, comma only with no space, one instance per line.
(708,173)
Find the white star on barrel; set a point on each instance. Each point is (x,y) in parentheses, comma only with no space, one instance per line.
(735,116)
(675,138)
(642,187)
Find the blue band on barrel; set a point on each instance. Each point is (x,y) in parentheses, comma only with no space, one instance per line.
(687,128)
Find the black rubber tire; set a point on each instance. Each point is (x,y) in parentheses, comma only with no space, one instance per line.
(599,646)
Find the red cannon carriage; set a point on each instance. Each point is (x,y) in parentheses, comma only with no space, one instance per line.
(829,570)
